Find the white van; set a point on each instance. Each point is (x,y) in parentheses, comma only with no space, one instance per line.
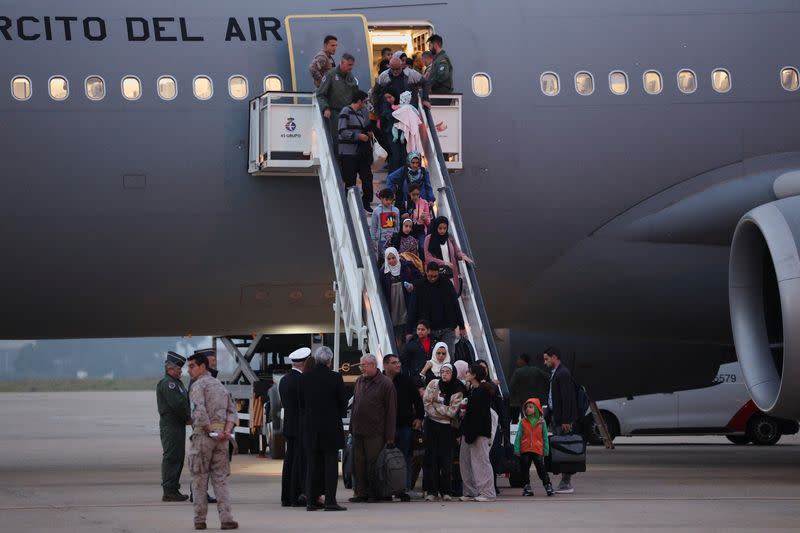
(724,408)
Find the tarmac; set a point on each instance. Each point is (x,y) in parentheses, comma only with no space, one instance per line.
(90,462)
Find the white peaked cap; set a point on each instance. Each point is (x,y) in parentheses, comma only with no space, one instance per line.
(300,354)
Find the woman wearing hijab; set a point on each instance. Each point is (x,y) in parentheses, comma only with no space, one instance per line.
(442,400)
(404,241)
(476,431)
(402,178)
(398,277)
(461,370)
(441,248)
(440,355)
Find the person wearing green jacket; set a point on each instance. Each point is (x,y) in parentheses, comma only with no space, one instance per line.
(440,79)
(335,92)
(173,410)
(532,446)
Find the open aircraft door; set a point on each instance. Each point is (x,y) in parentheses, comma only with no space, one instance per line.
(306,34)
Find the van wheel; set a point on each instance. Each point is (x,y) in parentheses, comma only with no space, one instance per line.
(592,433)
(763,430)
(738,439)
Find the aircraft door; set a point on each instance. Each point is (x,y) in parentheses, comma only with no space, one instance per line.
(306,34)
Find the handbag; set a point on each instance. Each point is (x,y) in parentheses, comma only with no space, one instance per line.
(378,153)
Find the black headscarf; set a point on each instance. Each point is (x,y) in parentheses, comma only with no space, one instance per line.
(399,235)
(434,246)
(454,386)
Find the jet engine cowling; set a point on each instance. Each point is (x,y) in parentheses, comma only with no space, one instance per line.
(764,293)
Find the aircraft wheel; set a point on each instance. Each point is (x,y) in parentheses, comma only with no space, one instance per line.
(763,430)
(738,439)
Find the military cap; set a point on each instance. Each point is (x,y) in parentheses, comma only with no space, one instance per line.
(208,352)
(175,358)
(300,354)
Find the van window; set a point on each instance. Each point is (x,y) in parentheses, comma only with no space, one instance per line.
(131,88)
(721,80)
(790,79)
(237,87)
(21,87)
(618,82)
(687,81)
(549,83)
(202,87)
(58,87)
(481,84)
(167,87)
(273,83)
(95,88)
(584,83)
(653,83)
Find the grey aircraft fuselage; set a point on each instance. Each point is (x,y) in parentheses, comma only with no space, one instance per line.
(599,216)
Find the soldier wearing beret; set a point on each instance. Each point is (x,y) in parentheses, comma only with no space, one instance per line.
(173,409)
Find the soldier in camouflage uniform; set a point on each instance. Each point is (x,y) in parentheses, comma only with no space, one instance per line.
(173,410)
(323,61)
(213,418)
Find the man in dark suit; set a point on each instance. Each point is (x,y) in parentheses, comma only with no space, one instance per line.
(563,405)
(294,471)
(323,401)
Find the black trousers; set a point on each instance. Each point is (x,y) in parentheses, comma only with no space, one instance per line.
(438,466)
(294,471)
(358,166)
(322,475)
(525,461)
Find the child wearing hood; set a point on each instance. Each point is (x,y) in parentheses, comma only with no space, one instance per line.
(440,356)
(398,277)
(532,445)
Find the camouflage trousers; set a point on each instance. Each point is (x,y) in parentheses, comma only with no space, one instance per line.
(209,458)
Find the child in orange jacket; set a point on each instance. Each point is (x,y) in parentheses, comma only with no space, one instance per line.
(532,445)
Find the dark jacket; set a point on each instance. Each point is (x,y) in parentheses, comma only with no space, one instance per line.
(374,408)
(410,80)
(323,401)
(409,402)
(415,356)
(437,303)
(352,123)
(565,405)
(441,74)
(528,382)
(173,402)
(336,90)
(477,420)
(289,388)
(398,182)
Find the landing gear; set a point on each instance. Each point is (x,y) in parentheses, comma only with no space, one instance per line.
(738,439)
(593,435)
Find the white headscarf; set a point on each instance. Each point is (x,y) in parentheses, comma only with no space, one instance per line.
(405,98)
(436,366)
(395,270)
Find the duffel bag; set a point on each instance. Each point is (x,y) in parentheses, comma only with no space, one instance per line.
(567,454)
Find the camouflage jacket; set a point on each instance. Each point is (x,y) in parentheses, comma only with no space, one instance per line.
(321,64)
(212,404)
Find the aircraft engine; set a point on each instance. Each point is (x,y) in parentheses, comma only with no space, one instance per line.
(764,293)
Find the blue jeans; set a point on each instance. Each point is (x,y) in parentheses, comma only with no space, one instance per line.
(403,441)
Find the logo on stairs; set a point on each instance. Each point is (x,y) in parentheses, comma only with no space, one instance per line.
(290,124)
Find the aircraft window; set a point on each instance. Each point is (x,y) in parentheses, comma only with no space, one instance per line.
(131,88)
(59,88)
(95,88)
(652,82)
(550,84)
(721,80)
(21,88)
(790,78)
(273,83)
(237,87)
(584,83)
(203,88)
(687,81)
(167,88)
(618,82)
(481,84)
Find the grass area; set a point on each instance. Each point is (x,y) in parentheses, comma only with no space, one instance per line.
(74,384)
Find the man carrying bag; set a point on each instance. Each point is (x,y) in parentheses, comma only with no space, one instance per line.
(567,449)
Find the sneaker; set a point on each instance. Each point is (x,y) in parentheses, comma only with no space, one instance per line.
(447,498)
(414,494)
(403,497)
(549,489)
(466,498)
(483,499)
(431,498)
(564,488)
(527,491)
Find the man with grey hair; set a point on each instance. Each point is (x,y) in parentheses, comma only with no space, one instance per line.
(173,411)
(372,424)
(323,401)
